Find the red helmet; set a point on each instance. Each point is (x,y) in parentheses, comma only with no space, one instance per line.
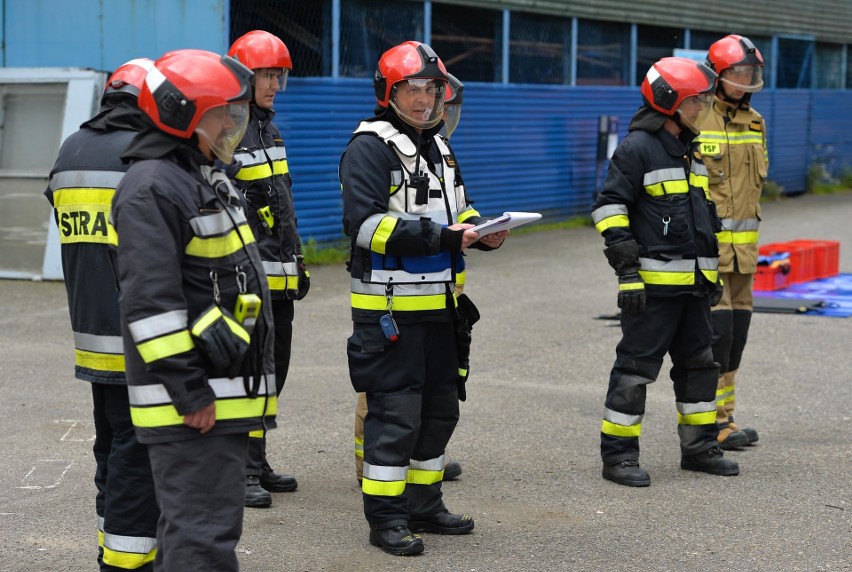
(409,60)
(128,78)
(671,80)
(738,62)
(184,84)
(259,49)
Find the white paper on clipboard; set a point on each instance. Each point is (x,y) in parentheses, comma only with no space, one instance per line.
(504,222)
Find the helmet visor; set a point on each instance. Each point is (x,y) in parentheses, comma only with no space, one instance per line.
(745,78)
(223,128)
(419,102)
(452,114)
(274,78)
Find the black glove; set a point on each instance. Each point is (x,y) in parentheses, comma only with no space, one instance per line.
(221,340)
(467,314)
(716,292)
(304,278)
(623,257)
(631,293)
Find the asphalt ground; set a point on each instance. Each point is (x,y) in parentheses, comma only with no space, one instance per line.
(528,437)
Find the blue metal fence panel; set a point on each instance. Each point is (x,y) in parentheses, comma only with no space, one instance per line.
(57,33)
(525,147)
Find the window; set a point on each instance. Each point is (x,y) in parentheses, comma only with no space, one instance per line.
(603,53)
(305,27)
(368,28)
(468,40)
(654,43)
(829,65)
(795,60)
(539,49)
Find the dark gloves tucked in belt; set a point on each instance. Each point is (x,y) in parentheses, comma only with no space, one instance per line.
(222,340)
(716,292)
(631,293)
(304,278)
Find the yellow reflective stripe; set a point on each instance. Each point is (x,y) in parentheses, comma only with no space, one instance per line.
(745,237)
(379,241)
(711,275)
(128,560)
(632,286)
(667,187)
(401,303)
(613,222)
(165,346)
(220,246)
(256,434)
(238,330)
(745,137)
(421,477)
(280,167)
(241,408)
(668,278)
(461,278)
(725,237)
(703,418)
(206,320)
(467,214)
(700,181)
(359,447)
(283,282)
(382,488)
(99,361)
(83,215)
(262,171)
(609,428)
(100,536)
(462,372)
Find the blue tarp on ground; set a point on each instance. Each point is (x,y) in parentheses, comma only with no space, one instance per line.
(830,297)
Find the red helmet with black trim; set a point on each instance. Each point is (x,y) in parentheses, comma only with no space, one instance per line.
(671,80)
(738,62)
(128,78)
(419,65)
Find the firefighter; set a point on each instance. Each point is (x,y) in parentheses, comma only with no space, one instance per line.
(196,316)
(264,179)
(82,184)
(733,146)
(452,113)
(408,217)
(659,226)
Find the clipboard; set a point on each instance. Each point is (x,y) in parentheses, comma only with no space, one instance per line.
(505,221)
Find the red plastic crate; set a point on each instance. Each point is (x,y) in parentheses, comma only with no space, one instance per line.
(769,278)
(826,256)
(801,259)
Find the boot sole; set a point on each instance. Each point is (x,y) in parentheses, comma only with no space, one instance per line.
(278,489)
(626,482)
(423,526)
(258,503)
(722,473)
(408,551)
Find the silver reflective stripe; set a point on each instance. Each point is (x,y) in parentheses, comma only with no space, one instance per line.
(706,263)
(216,224)
(223,388)
(101,523)
(621,418)
(740,225)
(276,153)
(402,277)
(396,178)
(690,408)
(436,464)
(685,265)
(607,211)
(698,169)
(368,229)
(156,326)
(386,474)
(378,289)
(100,344)
(132,544)
(274,268)
(86,179)
(663,175)
(250,159)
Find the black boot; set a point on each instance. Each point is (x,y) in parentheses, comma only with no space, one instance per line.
(734,440)
(452,471)
(443,523)
(711,461)
(256,495)
(278,482)
(397,540)
(751,433)
(627,472)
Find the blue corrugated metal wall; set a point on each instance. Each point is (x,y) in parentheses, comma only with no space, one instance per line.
(532,147)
